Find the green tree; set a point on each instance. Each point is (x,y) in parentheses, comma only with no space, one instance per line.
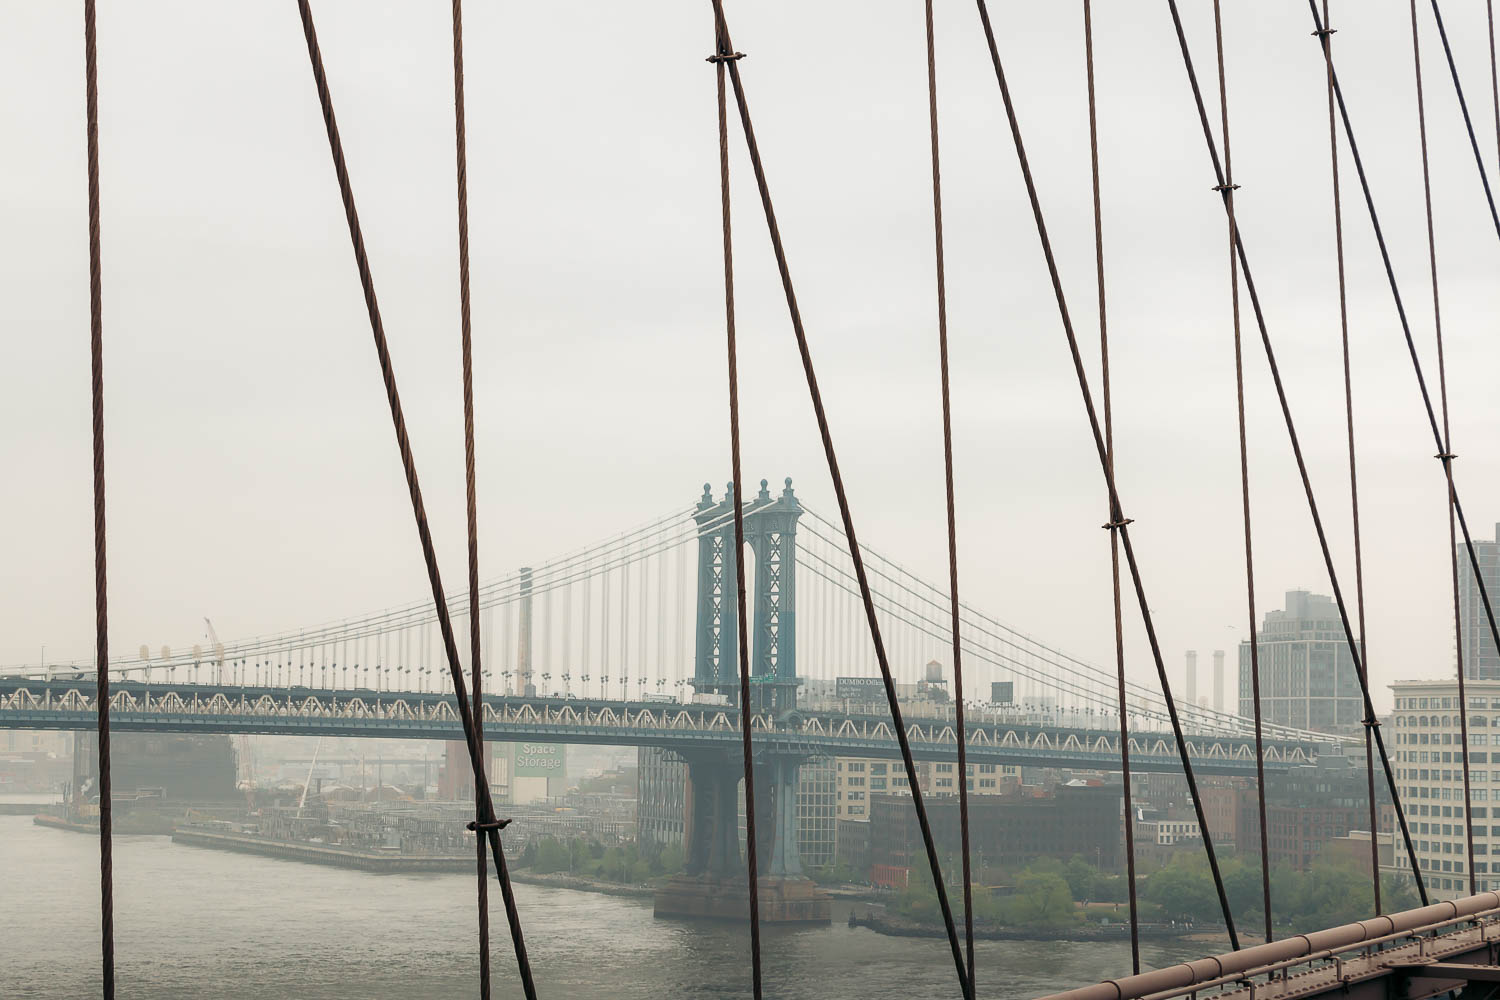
(1042,899)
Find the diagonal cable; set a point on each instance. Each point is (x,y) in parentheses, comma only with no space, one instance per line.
(1359,566)
(1227,190)
(724,54)
(958,672)
(1114,538)
(838,486)
(1118,521)
(488,825)
(1370,720)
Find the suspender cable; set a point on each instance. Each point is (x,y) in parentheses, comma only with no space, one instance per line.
(1114,538)
(1227,190)
(1118,521)
(1359,568)
(838,487)
(1437,324)
(1489,10)
(1296,443)
(1463,105)
(724,54)
(1437,435)
(958,672)
(487,825)
(461,160)
(101,595)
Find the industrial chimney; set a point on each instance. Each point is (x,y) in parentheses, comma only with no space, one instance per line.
(1218,680)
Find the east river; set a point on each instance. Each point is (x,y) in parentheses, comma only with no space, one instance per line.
(191,922)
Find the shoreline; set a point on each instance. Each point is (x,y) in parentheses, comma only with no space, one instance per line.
(323,854)
(882,923)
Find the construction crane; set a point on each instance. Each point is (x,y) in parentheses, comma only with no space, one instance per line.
(218,652)
(245,749)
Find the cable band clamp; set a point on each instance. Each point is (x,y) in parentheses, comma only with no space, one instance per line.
(1444,457)
(1323,32)
(1111,526)
(1221,188)
(476,826)
(724,57)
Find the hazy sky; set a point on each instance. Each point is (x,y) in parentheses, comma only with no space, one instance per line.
(252,472)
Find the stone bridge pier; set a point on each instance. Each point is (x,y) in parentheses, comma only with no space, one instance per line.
(714,884)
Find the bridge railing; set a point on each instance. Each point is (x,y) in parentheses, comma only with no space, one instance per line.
(1349,951)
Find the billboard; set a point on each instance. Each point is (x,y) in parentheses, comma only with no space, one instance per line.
(540,760)
(1002,692)
(859,688)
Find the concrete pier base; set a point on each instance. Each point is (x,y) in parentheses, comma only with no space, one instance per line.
(782,900)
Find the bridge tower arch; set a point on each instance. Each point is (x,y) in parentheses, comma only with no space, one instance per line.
(771,536)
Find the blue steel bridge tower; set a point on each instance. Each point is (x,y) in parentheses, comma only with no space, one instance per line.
(771,534)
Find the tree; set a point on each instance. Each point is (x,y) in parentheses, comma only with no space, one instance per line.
(1042,899)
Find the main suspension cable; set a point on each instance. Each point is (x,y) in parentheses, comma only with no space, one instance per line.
(1114,538)
(1118,521)
(101,594)
(1437,325)
(1227,190)
(1293,438)
(487,825)
(724,54)
(470,485)
(1359,566)
(958,671)
(843,500)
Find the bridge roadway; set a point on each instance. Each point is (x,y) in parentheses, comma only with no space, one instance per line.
(994,738)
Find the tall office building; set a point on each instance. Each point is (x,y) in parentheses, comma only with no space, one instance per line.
(1307,675)
(1428,750)
(1477,646)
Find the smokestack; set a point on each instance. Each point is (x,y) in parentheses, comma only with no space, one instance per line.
(1192,677)
(1218,680)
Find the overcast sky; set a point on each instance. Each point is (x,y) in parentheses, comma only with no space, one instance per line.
(252,472)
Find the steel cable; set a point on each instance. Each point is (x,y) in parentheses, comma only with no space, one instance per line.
(1293,438)
(1109,448)
(838,486)
(1359,567)
(470,485)
(1463,105)
(101,596)
(724,54)
(1437,324)
(958,673)
(488,825)
(1227,189)
(1118,521)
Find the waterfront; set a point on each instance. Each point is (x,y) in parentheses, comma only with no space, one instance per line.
(196,923)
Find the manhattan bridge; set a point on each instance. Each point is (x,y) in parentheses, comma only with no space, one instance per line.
(721,632)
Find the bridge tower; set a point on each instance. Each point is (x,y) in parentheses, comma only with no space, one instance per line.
(771,533)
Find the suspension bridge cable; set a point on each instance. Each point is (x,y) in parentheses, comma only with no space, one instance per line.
(958,673)
(1292,436)
(1118,521)
(724,54)
(1109,448)
(838,487)
(101,592)
(1437,324)
(1227,190)
(470,485)
(1443,455)
(1359,568)
(488,824)
(1203,715)
(1489,10)
(1463,105)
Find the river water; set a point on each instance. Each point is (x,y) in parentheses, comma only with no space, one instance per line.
(191,922)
